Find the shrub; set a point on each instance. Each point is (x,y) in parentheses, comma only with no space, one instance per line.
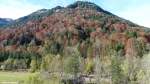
(119,46)
(8,64)
(34,65)
(89,67)
(141,48)
(34,79)
(19,64)
(71,63)
(131,34)
(44,26)
(117,75)
(53,48)
(46,62)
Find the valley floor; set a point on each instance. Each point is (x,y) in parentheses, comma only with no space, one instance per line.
(12,77)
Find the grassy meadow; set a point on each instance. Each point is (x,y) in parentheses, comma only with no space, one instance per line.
(13,76)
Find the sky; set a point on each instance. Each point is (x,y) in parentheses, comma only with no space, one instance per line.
(137,11)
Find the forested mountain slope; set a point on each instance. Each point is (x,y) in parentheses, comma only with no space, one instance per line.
(82,24)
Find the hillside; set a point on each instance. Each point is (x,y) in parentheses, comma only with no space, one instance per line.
(83,26)
(80,16)
(5,21)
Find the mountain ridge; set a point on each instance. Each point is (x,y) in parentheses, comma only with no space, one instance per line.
(4,21)
(39,14)
(86,4)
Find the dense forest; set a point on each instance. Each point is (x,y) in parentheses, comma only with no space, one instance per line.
(77,44)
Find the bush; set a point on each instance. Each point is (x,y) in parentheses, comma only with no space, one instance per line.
(34,65)
(3,56)
(143,74)
(34,79)
(131,34)
(53,48)
(8,64)
(89,67)
(46,62)
(119,46)
(44,26)
(141,48)
(117,74)
(39,78)
(71,64)
(19,64)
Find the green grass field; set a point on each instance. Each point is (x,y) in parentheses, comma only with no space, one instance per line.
(19,77)
(13,76)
